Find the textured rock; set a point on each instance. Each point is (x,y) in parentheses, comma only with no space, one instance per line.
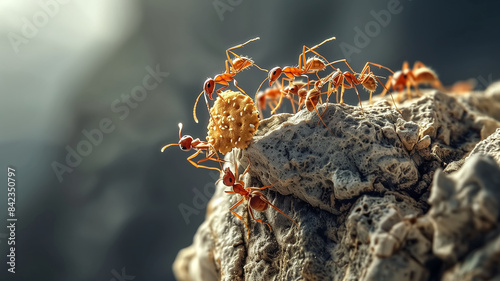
(489,146)
(465,205)
(371,200)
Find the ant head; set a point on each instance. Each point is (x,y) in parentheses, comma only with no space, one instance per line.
(293,89)
(185,143)
(209,87)
(399,80)
(274,74)
(228,177)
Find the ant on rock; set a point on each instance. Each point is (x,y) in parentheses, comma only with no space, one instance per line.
(347,80)
(233,67)
(256,200)
(311,65)
(187,143)
(406,78)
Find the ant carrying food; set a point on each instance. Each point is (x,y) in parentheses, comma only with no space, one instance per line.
(406,78)
(187,143)
(256,200)
(311,65)
(233,67)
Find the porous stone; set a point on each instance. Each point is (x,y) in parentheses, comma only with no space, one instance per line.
(369,194)
(465,206)
(489,146)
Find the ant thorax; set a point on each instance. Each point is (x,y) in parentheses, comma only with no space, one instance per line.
(228,178)
(238,188)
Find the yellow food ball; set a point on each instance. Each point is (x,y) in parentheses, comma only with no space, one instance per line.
(234,121)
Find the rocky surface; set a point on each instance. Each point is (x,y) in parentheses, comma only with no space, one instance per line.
(381,196)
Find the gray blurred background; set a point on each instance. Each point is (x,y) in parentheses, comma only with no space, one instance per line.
(69,67)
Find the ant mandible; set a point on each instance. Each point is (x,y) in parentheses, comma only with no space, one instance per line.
(311,65)
(256,200)
(406,78)
(233,67)
(187,143)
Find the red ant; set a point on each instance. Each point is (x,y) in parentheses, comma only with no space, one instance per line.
(256,200)
(233,67)
(272,95)
(311,65)
(406,78)
(349,80)
(187,142)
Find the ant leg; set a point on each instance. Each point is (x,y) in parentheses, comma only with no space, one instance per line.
(200,166)
(241,45)
(281,94)
(406,67)
(226,85)
(348,65)
(342,92)
(277,209)
(326,108)
(321,119)
(312,50)
(381,66)
(385,90)
(387,86)
(241,90)
(359,98)
(261,188)
(238,216)
(210,158)
(260,86)
(253,217)
(418,64)
(438,85)
(271,105)
(292,101)
(248,168)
